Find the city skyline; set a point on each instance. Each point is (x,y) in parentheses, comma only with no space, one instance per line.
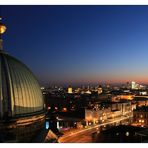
(79,44)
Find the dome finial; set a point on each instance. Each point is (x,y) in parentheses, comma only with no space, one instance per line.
(2,30)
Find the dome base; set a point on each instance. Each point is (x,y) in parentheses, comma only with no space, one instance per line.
(22,129)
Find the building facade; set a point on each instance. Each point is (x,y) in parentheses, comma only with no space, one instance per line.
(140,116)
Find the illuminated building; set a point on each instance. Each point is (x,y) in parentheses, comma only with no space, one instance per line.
(88,92)
(118,98)
(99,90)
(124,107)
(108,86)
(21,104)
(70,90)
(140,116)
(92,116)
(99,113)
(78,90)
(143,93)
(116,113)
(133,85)
(141,100)
(127,97)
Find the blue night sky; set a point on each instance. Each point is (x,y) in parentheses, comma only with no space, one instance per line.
(79,44)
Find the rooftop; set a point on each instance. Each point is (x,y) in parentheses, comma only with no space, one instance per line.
(143,109)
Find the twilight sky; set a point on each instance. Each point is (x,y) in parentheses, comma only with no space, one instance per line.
(79,44)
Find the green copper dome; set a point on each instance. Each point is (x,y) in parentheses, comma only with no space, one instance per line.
(20,94)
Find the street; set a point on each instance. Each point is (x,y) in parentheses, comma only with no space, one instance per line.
(85,135)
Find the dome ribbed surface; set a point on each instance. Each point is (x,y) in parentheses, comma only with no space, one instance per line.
(20,93)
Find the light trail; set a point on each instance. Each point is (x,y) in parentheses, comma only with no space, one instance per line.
(94,127)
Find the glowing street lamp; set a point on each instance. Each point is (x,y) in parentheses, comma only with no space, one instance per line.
(2,28)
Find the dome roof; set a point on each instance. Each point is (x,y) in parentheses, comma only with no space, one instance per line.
(20,93)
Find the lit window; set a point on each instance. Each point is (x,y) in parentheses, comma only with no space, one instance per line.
(64,109)
(127,134)
(96,121)
(49,108)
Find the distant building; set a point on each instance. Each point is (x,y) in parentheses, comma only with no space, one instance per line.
(100,90)
(117,98)
(127,97)
(141,100)
(133,85)
(88,92)
(143,93)
(70,90)
(128,86)
(136,86)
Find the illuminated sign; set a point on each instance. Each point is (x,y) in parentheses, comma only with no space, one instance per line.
(47,125)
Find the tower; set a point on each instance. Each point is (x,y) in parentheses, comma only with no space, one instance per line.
(22,112)
(2,31)
(133,85)
(70,90)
